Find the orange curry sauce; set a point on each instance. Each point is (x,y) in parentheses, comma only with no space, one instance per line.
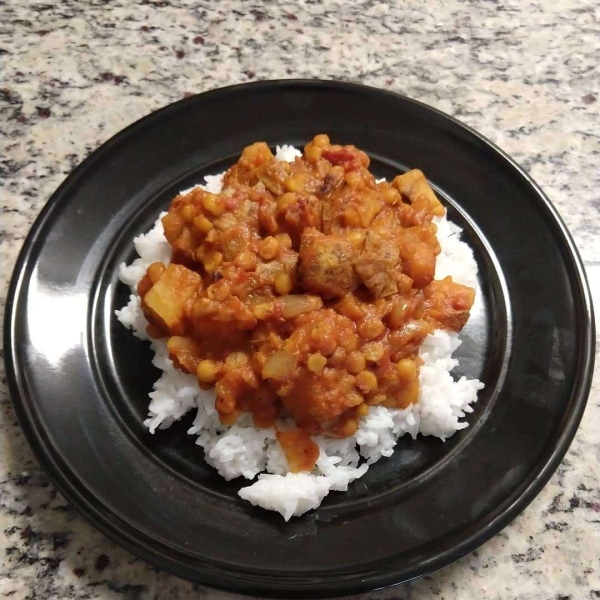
(303,289)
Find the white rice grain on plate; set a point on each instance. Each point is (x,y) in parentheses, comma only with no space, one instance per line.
(243,450)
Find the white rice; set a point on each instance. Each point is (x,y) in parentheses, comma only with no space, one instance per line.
(243,450)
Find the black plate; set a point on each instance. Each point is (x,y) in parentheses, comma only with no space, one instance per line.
(79,380)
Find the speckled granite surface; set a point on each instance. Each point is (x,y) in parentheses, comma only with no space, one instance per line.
(525,74)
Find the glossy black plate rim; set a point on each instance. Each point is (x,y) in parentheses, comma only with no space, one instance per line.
(127,536)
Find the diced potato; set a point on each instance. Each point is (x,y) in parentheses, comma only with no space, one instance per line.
(184,352)
(361,211)
(447,304)
(415,187)
(168,297)
(377,265)
(403,310)
(300,451)
(407,339)
(419,262)
(325,264)
(234,240)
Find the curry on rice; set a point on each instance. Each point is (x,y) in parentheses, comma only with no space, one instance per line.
(303,289)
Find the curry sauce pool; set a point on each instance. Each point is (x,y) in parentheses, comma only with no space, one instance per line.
(378,349)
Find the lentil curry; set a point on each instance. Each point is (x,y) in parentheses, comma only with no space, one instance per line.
(303,289)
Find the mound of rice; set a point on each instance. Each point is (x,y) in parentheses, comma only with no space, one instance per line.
(244,450)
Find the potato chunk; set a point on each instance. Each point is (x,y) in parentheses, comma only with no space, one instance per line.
(415,187)
(419,262)
(185,353)
(164,304)
(325,264)
(300,451)
(377,265)
(447,304)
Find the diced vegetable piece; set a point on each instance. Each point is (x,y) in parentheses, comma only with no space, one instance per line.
(377,265)
(361,211)
(325,264)
(295,305)
(279,366)
(184,352)
(415,187)
(234,240)
(168,297)
(419,263)
(447,304)
(300,451)
(403,310)
(408,338)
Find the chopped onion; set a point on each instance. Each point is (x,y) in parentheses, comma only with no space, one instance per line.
(279,366)
(295,305)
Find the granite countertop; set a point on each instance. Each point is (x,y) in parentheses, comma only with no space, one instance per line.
(525,74)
